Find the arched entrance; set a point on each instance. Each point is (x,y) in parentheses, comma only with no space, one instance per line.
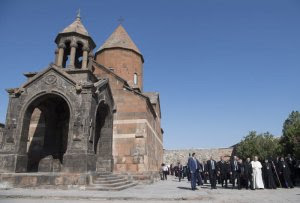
(45,128)
(103,138)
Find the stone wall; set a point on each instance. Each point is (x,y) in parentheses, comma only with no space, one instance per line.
(173,156)
(125,63)
(137,135)
(1,133)
(69,99)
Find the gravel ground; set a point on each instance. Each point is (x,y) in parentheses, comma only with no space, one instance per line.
(162,191)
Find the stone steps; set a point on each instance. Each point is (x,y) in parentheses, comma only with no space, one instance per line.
(110,182)
(101,188)
(109,178)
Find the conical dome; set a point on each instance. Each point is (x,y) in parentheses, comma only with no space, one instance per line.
(119,39)
(77,27)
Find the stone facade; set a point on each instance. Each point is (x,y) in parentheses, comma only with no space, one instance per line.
(53,114)
(173,156)
(83,113)
(137,134)
(137,137)
(2,126)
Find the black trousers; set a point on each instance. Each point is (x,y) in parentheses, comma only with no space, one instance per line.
(213,178)
(235,176)
(198,178)
(179,175)
(223,178)
(189,175)
(248,182)
(165,173)
(239,180)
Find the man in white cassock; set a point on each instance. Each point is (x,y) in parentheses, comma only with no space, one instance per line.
(257,174)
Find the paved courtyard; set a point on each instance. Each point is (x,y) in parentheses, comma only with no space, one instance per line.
(161,191)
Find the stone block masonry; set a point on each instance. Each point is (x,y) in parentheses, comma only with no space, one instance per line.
(173,156)
(85,113)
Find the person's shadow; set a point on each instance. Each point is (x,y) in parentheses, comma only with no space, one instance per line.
(186,188)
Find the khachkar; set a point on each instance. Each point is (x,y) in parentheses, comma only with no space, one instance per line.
(84,113)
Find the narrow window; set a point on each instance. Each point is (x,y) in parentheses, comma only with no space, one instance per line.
(135,79)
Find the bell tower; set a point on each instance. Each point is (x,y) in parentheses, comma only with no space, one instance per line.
(74,46)
(120,54)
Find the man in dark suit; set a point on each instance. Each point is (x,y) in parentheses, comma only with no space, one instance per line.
(248,174)
(240,174)
(198,173)
(234,168)
(193,166)
(212,171)
(204,174)
(222,171)
(179,171)
(285,173)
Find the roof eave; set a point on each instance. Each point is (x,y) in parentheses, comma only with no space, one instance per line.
(93,44)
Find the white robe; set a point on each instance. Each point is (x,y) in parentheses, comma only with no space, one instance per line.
(257,175)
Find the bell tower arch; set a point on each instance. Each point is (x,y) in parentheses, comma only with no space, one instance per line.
(74,46)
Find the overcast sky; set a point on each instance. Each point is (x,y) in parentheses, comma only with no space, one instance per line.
(222,68)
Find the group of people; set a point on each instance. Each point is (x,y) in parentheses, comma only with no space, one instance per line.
(247,174)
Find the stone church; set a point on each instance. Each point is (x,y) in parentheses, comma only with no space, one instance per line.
(85,113)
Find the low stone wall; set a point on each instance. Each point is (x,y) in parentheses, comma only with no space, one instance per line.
(173,156)
(44,180)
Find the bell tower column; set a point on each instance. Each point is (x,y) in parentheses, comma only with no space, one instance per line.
(56,55)
(61,48)
(73,54)
(85,57)
(74,44)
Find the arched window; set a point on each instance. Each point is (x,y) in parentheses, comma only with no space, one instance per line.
(135,79)
(78,56)
(66,58)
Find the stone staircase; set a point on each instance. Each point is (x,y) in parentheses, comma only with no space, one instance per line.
(110,182)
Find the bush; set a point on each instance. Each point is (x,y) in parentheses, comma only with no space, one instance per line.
(263,145)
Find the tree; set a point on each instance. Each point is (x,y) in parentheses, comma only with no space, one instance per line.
(290,139)
(263,145)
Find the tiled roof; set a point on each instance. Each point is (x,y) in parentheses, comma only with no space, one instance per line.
(77,27)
